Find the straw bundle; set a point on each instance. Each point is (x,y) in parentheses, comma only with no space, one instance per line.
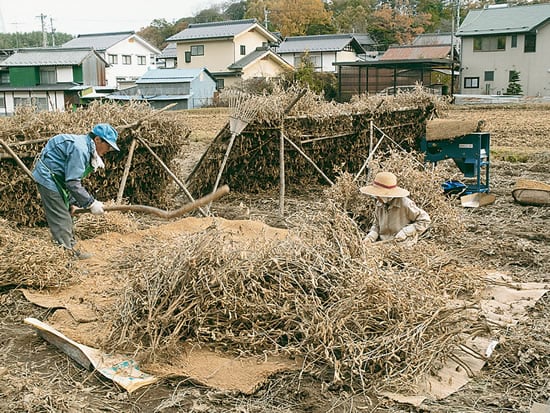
(27,132)
(31,262)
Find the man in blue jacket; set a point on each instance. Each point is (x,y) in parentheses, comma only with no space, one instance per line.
(64,162)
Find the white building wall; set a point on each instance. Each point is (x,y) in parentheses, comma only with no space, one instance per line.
(64,74)
(534,68)
(129,47)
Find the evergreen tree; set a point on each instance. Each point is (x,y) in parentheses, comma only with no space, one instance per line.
(514,87)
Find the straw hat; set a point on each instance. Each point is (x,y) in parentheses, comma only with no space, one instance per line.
(384,185)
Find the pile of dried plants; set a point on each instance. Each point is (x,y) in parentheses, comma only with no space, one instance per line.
(31,261)
(329,134)
(352,312)
(27,132)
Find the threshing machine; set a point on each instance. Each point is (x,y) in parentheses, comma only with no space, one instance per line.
(470,153)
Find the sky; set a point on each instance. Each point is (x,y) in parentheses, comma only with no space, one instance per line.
(93,16)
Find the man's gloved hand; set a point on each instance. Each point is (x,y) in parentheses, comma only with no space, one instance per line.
(400,236)
(97,208)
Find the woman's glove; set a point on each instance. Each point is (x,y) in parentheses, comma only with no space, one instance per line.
(97,208)
(406,232)
(371,236)
(400,236)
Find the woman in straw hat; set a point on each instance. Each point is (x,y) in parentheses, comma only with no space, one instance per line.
(395,216)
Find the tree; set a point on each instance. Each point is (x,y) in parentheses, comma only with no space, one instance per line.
(514,87)
(321,83)
(160,30)
(31,39)
(235,11)
(291,17)
(398,25)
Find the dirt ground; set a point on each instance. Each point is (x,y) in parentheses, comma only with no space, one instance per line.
(506,236)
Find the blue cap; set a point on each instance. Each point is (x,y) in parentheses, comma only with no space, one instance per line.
(107,133)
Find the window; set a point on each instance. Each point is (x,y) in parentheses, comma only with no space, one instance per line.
(141,60)
(188,57)
(2,102)
(313,59)
(21,101)
(530,45)
(112,59)
(471,82)
(220,84)
(47,76)
(126,59)
(514,40)
(4,78)
(489,43)
(243,50)
(489,76)
(40,103)
(197,50)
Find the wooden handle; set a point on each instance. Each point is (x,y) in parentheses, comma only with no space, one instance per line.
(161,212)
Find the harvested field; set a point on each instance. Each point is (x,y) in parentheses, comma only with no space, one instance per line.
(250,289)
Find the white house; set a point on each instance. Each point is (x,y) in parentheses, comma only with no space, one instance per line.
(323,50)
(499,40)
(129,56)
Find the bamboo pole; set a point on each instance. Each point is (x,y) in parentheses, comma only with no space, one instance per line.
(17,159)
(282,174)
(169,172)
(308,159)
(224,161)
(282,184)
(126,171)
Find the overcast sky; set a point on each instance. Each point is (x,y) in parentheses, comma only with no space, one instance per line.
(93,16)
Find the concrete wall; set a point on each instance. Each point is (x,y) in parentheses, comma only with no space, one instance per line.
(533,68)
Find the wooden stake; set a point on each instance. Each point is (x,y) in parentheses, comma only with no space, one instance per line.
(174,177)
(126,171)
(308,159)
(282,174)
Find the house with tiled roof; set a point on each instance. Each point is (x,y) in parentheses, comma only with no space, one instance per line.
(129,55)
(232,51)
(498,42)
(51,79)
(322,50)
(185,88)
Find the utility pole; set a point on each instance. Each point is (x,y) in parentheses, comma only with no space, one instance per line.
(53,32)
(266,19)
(44,35)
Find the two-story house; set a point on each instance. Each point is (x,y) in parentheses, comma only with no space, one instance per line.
(232,51)
(49,78)
(497,42)
(322,50)
(129,56)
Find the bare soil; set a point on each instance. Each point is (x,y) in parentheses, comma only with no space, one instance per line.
(512,238)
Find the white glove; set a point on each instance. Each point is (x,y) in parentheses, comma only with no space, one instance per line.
(409,230)
(371,237)
(97,208)
(400,236)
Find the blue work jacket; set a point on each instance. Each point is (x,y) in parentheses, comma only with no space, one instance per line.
(66,159)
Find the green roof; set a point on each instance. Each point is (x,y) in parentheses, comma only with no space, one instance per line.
(502,20)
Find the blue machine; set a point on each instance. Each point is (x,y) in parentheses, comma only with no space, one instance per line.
(470,154)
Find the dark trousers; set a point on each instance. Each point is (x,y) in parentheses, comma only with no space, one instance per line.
(58,217)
